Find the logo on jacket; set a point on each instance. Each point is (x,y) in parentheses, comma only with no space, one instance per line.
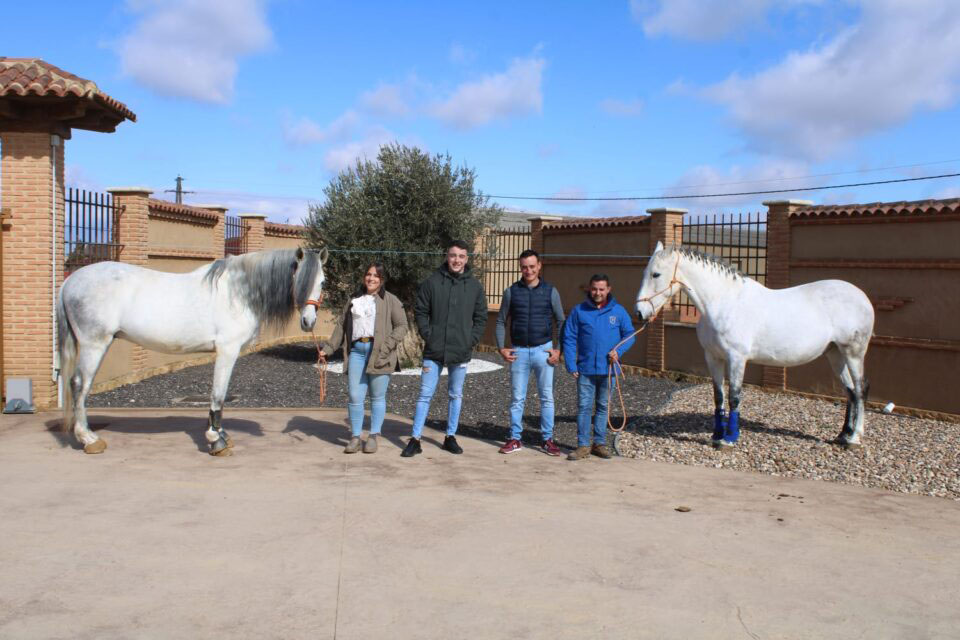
(613,319)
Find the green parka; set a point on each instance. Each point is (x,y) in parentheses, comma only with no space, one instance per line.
(451,312)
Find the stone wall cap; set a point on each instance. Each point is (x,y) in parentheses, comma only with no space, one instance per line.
(547,218)
(252,215)
(667,210)
(801,203)
(128,190)
(210,206)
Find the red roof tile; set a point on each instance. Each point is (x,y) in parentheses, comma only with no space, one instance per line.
(589,223)
(915,207)
(181,210)
(278,229)
(32,77)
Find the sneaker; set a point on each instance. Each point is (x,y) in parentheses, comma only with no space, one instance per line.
(370,446)
(601,451)
(412,448)
(579,453)
(550,448)
(511,446)
(450,444)
(353,446)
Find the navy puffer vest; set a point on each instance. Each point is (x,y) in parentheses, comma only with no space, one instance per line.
(531,314)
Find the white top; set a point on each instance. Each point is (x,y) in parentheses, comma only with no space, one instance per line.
(364,310)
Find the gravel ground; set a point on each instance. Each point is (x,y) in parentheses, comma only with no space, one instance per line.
(781,434)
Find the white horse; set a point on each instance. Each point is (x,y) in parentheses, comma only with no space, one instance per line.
(219,307)
(741,320)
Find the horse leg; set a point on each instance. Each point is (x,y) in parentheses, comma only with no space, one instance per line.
(735,369)
(717,367)
(89,356)
(218,439)
(856,388)
(839,366)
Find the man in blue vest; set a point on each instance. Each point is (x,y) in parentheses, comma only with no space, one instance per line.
(534,308)
(590,334)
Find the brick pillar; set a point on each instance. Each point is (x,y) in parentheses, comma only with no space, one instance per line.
(133,229)
(536,236)
(133,235)
(217,245)
(662,223)
(778,265)
(256,224)
(32,192)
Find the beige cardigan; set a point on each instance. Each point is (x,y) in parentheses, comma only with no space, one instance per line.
(390,326)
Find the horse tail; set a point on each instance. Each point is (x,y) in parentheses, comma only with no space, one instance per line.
(67,351)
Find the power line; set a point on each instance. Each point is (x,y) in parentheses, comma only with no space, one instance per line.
(723,195)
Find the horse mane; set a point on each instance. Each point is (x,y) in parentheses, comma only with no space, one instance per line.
(269,282)
(711,262)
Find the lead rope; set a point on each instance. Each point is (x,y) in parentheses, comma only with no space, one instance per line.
(614,373)
(321,359)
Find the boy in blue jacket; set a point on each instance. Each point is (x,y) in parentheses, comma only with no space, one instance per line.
(590,333)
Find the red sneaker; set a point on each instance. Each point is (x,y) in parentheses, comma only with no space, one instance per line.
(511,446)
(550,448)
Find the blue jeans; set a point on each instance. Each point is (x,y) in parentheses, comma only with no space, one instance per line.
(428,384)
(592,389)
(531,359)
(359,381)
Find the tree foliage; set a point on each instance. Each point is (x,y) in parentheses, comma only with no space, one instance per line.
(404,201)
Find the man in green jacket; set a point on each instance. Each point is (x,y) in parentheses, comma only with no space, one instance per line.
(451,312)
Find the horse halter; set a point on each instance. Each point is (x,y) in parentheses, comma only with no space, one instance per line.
(315,303)
(673,281)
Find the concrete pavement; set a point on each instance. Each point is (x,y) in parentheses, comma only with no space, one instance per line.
(290,538)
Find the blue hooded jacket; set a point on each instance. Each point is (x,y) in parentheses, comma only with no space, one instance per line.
(590,333)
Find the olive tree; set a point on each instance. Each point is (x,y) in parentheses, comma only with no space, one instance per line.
(402,209)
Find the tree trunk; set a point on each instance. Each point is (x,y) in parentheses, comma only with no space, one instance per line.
(410,349)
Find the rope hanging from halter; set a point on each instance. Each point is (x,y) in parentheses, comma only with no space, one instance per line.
(614,373)
(321,359)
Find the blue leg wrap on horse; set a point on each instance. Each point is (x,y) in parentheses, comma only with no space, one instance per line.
(719,424)
(732,433)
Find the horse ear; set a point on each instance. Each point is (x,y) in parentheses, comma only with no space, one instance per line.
(324,254)
(299,254)
(659,247)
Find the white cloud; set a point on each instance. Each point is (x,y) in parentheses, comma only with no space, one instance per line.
(567,192)
(76,176)
(461,55)
(389,100)
(617,208)
(901,58)
(616,107)
(515,92)
(703,19)
(306,131)
(948,192)
(548,150)
(190,48)
(770,175)
(287,210)
(346,155)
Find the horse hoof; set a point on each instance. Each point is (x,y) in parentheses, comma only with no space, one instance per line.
(849,445)
(721,445)
(97,446)
(222,453)
(219,448)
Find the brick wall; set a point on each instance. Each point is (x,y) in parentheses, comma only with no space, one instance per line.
(30,279)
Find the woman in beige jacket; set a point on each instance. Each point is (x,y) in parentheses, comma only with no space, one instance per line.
(368,330)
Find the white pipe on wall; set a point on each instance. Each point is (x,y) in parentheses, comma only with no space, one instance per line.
(55,373)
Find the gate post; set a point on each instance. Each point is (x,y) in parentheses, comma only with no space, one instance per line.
(219,247)
(256,230)
(662,222)
(31,180)
(778,265)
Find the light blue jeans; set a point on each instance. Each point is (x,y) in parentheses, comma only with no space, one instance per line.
(531,359)
(592,389)
(428,384)
(359,381)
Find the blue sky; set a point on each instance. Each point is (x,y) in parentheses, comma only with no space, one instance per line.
(258,104)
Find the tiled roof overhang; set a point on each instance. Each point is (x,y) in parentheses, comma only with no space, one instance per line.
(907,208)
(37,96)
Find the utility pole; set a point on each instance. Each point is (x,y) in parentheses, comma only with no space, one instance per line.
(179,190)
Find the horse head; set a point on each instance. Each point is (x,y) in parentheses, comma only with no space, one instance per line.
(308,278)
(659,283)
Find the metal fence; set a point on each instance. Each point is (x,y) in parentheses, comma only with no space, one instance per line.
(738,238)
(90,229)
(498,259)
(234,236)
